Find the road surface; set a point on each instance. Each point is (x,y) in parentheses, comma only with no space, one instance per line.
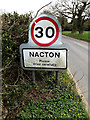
(78,62)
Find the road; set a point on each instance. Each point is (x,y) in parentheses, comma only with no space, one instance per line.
(78,62)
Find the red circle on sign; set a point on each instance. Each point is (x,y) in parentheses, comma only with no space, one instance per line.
(32,31)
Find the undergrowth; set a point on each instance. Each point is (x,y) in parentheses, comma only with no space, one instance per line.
(43,99)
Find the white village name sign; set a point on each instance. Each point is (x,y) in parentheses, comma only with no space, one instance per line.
(44,49)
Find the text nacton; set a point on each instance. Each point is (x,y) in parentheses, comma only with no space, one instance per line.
(45,54)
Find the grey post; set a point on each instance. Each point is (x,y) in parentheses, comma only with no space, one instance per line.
(33,75)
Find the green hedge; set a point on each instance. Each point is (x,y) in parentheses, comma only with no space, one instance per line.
(14,32)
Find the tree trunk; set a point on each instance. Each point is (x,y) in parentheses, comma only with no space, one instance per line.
(80,19)
(74,27)
(80,32)
(80,24)
(74,31)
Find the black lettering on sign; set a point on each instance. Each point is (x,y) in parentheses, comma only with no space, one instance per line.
(36,54)
(45,54)
(51,54)
(40,31)
(57,54)
(31,54)
(47,32)
(41,54)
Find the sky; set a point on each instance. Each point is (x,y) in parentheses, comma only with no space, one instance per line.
(22,6)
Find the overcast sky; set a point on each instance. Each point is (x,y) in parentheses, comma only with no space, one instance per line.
(22,6)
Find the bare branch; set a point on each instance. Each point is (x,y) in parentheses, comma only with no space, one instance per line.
(77,80)
(80,79)
(42,8)
(66,5)
(64,15)
(7,66)
(12,26)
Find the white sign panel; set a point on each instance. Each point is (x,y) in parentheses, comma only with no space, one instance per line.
(44,50)
(45,58)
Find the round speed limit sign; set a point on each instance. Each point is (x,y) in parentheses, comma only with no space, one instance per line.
(44,31)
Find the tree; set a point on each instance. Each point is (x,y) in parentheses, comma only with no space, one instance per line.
(47,11)
(64,23)
(87,25)
(82,14)
(76,10)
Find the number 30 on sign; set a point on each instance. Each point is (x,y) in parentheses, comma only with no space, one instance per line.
(44,31)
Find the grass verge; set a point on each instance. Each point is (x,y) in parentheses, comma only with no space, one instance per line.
(44,100)
(85,36)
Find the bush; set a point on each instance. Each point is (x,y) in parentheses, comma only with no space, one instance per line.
(14,32)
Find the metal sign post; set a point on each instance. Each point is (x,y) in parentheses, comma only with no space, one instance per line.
(33,75)
(44,50)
